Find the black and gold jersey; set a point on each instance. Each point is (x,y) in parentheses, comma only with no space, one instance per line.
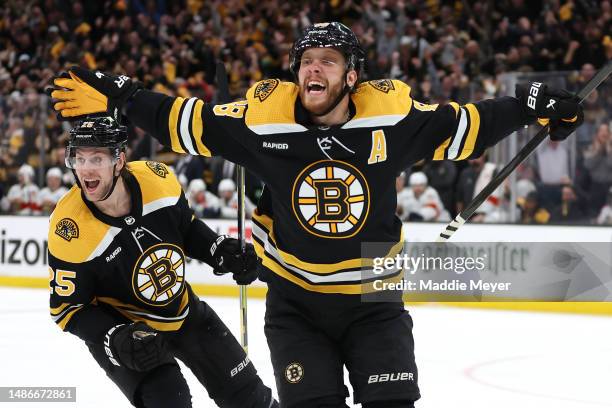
(328,189)
(133,265)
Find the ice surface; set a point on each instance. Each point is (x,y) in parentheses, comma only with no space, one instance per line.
(467,357)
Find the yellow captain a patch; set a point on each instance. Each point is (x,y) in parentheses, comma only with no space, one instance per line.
(331,199)
(159,274)
(383,85)
(265,88)
(67,229)
(158,168)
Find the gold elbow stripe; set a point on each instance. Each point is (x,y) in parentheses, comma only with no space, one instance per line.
(173,124)
(197,129)
(470,143)
(441,150)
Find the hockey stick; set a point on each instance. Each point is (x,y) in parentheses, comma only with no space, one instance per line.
(224,97)
(465,215)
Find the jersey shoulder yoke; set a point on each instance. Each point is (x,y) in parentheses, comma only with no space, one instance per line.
(272,107)
(75,235)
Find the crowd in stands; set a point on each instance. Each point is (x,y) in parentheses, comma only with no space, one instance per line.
(444,49)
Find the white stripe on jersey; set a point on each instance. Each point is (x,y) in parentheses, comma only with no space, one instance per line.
(186,124)
(157,204)
(349,276)
(269,129)
(453,151)
(105,243)
(383,120)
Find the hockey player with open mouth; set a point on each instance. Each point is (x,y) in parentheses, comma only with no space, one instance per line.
(328,149)
(117,247)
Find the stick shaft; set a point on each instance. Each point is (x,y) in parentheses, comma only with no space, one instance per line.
(522,155)
(224,97)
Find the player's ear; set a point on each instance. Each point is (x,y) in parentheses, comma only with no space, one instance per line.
(121,163)
(351,78)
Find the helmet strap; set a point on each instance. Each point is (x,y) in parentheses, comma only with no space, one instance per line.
(115,178)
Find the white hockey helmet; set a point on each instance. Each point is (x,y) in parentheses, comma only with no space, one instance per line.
(26,171)
(227,185)
(418,178)
(55,172)
(196,186)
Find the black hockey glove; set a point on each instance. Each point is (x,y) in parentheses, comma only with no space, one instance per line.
(228,256)
(557,108)
(81,92)
(136,346)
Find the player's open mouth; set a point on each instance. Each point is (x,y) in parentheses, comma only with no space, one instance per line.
(91,185)
(315,87)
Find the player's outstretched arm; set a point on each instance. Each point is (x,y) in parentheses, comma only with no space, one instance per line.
(465,131)
(186,125)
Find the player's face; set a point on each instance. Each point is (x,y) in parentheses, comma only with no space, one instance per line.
(418,189)
(54,183)
(321,78)
(95,168)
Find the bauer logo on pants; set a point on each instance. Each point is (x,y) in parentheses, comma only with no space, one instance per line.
(159,274)
(331,199)
(294,373)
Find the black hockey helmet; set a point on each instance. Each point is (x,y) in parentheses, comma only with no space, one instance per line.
(329,35)
(101,131)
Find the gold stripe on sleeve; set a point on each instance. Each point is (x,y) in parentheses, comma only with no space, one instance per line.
(173,125)
(198,129)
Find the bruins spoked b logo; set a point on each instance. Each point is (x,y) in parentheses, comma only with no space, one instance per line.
(294,373)
(331,199)
(159,274)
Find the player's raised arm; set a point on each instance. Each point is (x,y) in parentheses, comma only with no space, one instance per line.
(186,125)
(461,132)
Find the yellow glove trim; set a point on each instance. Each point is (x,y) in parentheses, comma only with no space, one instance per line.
(79,98)
(543,121)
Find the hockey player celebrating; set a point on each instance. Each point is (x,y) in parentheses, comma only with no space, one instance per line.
(117,247)
(421,202)
(328,149)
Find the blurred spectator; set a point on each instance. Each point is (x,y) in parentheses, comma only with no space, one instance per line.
(228,197)
(531,211)
(443,50)
(441,176)
(605,215)
(569,211)
(598,161)
(420,202)
(471,181)
(553,160)
(23,197)
(50,195)
(225,169)
(204,203)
